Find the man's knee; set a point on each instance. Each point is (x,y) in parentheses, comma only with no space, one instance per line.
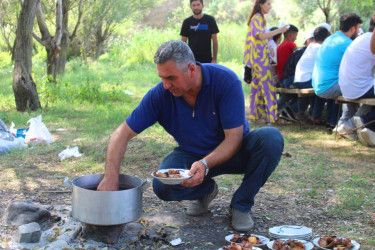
(269,139)
(161,190)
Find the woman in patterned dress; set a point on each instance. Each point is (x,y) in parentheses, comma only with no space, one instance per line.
(262,87)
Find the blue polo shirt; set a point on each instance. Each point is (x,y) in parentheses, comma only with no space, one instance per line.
(327,62)
(219,105)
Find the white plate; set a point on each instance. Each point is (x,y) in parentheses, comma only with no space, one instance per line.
(172,181)
(264,240)
(356,244)
(308,245)
(290,231)
(254,248)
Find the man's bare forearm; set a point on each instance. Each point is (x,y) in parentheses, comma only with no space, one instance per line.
(231,144)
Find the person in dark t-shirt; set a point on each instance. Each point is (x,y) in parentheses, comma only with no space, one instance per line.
(198,30)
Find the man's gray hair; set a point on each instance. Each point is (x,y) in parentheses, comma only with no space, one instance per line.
(177,51)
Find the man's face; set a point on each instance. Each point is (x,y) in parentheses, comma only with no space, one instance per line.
(174,79)
(294,36)
(356,31)
(196,7)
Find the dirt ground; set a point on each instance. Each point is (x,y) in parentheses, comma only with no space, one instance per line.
(203,232)
(273,207)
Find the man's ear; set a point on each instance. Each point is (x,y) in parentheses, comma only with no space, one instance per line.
(192,69)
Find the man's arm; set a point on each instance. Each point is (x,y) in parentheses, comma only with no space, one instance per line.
(215,47)
(115,152)
(226,149)
(184,39)
(372,43)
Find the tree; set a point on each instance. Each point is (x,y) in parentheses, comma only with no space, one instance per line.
(24,88)
(66,37)
(100,19)
(9,12)
(51,43)
(326,7)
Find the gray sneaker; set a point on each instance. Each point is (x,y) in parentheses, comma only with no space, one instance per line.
(200,206)
(367,137)
(345,128)
(241,221)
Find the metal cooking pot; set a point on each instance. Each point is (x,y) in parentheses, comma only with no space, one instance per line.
(107,208)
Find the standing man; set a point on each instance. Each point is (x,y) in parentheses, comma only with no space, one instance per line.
(195,103)
(199,30)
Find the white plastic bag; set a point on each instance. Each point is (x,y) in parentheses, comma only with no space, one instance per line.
(69,152)
(38,132)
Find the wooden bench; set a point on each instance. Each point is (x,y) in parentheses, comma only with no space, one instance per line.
(299,92)
(367,101)
(339,99)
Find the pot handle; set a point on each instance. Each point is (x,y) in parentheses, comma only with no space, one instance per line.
(146,184)
(68,183)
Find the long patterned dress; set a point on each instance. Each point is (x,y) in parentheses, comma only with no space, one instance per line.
(262,87)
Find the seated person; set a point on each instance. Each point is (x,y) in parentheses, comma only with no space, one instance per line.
(194,103)
(285,49)
(303,74)
(327,63)
(286,100)
(356,79)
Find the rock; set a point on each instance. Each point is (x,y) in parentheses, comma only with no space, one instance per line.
(133,228)
(105,234)
(58,244)
(24,212)
(28,233)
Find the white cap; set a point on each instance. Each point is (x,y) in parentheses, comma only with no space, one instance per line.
(310,35)
(360,32)
(325,25)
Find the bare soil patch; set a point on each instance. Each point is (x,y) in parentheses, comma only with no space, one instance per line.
(290,197)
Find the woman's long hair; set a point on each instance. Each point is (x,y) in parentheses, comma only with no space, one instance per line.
(257,9)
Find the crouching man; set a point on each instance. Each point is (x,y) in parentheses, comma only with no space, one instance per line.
(202,107)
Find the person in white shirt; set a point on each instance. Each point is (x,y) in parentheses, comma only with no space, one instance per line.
(356,79)
(304,69)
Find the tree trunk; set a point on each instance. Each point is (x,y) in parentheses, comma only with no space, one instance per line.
(64,39)
(51,43)
(24,88)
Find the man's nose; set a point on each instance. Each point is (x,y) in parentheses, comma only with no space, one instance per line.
(166,84)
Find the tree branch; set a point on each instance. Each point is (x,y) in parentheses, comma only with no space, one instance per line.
(59,17)
(42,23)
(39,40)
(80,12)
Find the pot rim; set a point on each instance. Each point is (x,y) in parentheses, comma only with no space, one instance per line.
(101,176)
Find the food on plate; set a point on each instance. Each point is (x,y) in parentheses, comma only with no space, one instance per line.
(244,246)
(252,239)
(288,245)
(334,242)
(170,174)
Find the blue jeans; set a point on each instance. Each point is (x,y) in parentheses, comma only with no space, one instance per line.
(332,107)
(283,97)
(303,103)
(258,157)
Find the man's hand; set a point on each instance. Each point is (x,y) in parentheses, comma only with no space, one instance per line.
(108,184)
(198,171)
(213,60)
